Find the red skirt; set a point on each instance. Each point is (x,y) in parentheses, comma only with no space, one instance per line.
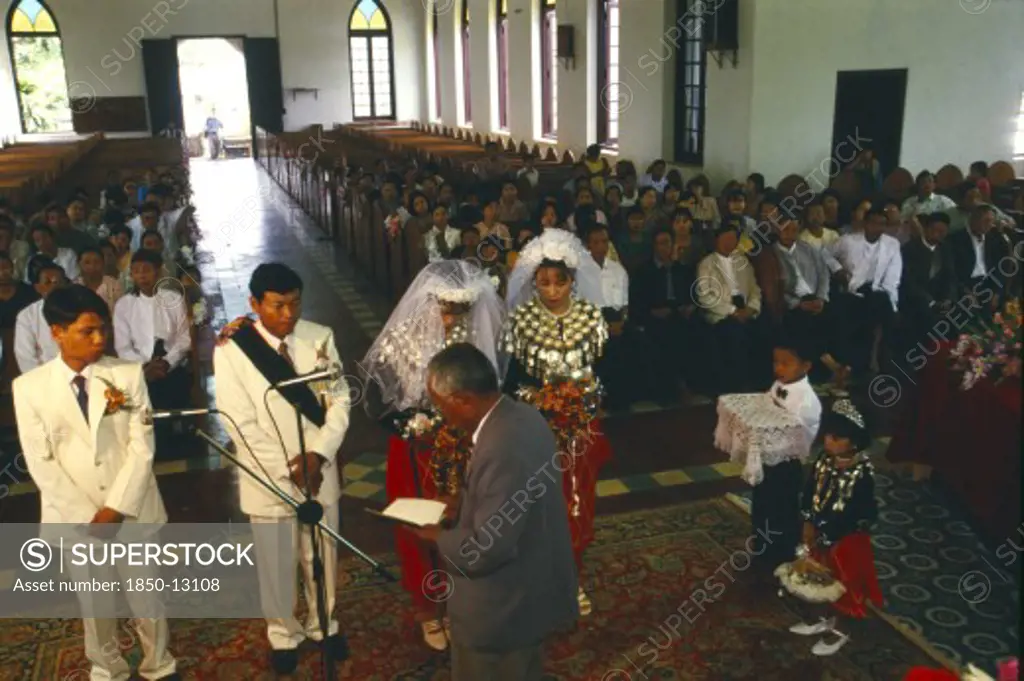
(852,562)
(579,486)
(422,576)
(927,674)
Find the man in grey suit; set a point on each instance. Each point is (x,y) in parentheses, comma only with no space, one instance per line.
(513,579)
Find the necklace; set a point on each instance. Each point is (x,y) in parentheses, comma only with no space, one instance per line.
(833,485)
(553,346)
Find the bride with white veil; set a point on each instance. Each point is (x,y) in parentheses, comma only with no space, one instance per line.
(554,334)
(451,301)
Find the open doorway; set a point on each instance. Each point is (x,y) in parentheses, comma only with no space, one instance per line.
(214,97)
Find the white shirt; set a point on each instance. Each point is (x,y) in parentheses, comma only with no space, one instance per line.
(880,264)
(979,256)
(69,375)
(531,175)
(452,237)
(935,203)
(33,342)
(725,263)
(827,238)
(66,258)
(801,288)
(480,426)
(614,284)
(801,401)
(135,224)
(140,320)
(648,181)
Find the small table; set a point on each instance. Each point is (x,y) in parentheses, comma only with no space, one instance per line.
(755,431)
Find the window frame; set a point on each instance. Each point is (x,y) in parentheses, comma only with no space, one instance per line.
(691,93)
(549,68)
(56,33)
(369,35)
(467,100)
(501,46)
(607,107)
(436,41)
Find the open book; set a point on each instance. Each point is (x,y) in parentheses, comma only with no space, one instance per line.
(414,511)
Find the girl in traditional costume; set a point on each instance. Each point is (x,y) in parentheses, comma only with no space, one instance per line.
(451,301)
(836,563)
(554,335)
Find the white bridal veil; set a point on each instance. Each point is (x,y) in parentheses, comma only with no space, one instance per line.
(561,246)
(397,360)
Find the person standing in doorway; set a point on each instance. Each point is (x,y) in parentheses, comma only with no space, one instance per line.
(212,132)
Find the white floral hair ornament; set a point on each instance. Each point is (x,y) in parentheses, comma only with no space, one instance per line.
(557,245)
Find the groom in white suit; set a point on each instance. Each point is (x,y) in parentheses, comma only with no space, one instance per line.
(250,356)
(80,421)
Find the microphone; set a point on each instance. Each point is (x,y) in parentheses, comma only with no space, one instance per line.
(332,373)
(149,416)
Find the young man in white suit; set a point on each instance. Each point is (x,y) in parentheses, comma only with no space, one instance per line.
(250,356)
(92,456)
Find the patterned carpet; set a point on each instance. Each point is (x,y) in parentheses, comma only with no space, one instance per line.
(674,598)
(940,581)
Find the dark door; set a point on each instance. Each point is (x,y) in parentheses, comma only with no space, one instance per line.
(163,92)
(869,108)
(263,71)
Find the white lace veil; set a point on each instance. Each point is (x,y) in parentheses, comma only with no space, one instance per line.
(396,364)
(558,245)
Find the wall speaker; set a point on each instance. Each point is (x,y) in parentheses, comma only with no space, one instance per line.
(722,25)
(566,42)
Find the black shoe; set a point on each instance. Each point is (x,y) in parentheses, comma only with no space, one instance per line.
(284,661)
(338,646)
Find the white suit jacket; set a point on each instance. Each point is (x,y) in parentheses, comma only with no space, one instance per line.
(239,390)
(714,290)
(82,467)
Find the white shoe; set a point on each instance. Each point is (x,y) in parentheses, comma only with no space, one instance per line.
(434,635)
(823,649)
(819,627)
(586,607)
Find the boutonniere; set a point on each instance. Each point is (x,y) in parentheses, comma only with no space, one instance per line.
(233,327)
(116,399)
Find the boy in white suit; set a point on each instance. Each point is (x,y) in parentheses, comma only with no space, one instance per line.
(80,420)
(250,356)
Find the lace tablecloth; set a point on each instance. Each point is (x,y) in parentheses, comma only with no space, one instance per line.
(755,432)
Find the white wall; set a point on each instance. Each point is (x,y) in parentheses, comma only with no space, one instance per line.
(966,73)
(102,57)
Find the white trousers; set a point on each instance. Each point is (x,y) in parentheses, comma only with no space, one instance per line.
(105,641)
(277,554)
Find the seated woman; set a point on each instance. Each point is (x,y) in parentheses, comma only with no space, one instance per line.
(554,338)
(449,302)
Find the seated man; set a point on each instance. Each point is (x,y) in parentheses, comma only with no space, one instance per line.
(867,267)
(151,327)
(662,304)
(978,254)
(153,241)
(814,230)
(731,302)
(928,285)
(148,218)
(33,342)
(804,283)
(46,247)
(442,237)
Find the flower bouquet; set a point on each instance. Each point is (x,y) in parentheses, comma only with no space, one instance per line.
(991,350)
(568,405)
(393,226)
(447,450)
(810,581)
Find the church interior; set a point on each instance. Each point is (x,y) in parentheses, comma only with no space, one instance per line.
(329,136)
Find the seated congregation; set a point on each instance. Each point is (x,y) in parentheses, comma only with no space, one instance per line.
(133,244)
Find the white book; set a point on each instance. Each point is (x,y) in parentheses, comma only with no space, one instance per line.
(415,511)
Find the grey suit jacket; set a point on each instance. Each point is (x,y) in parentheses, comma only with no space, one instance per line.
(811,265)
(510,553)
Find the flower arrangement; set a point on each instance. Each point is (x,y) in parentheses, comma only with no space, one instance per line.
(393,226)
(809,581)
(568,405)
(448,450)
(232,327)
(116,399)
(992,350)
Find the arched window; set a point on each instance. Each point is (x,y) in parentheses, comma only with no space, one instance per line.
(37,58)
(466,101)
(435,39)
(608,105)
(502,43)
(373,78)
(549,68)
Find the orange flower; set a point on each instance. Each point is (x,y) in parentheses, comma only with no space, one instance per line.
(116,399)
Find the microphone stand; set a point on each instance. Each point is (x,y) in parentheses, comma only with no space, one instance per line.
(309,512)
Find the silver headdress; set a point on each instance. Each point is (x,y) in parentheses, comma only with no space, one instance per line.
(846,409)
(556,245)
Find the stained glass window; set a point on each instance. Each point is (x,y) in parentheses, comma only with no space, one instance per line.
(32,16)
(370,58)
